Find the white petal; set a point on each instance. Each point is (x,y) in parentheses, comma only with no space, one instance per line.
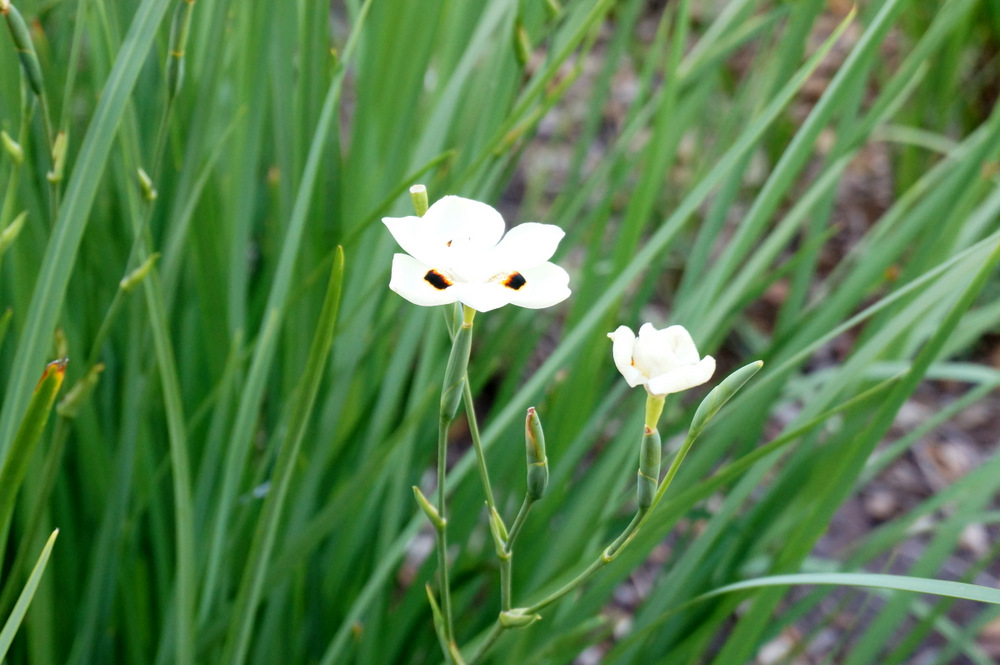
(544,286)
(526,246)
(409,280)
(683,346)
(452,230)
(623,340)
(418,239)
(682,378)
(465,225)
(482,296)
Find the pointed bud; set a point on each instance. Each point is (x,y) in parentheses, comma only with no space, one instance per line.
(25,47)
(418,194)
(134,278)
(12,147)
(178,43)
(430,511)
(720,395)
(58,158)
(538,463)
(9,234)
(146,186)
(69,406)
(553,8)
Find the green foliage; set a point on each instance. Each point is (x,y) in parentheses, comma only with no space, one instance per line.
(233,490)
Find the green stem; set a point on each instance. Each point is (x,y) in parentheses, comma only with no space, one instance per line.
(522,515)
(495,632)
(477,444)
(442,537)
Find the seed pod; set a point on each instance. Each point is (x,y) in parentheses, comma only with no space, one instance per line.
(25,48)
(58,157)
(146,186)
(649,468)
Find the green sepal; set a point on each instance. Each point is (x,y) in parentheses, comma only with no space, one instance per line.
(25,49)
(537,461)
(15,464)
(720,395)
(516,618)
(432,513)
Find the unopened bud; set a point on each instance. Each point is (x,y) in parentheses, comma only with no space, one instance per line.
(454,374)
(58,157)
(538,463)
(9,234)
(134,278)
(418,194)
(553,8)
(178,43)
(25,47)
(12,147)
(146,186)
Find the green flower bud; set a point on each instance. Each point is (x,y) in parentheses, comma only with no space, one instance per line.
(12,147)
(134,278)
(146,186)
(9,234)
(721,394)
(649,468)
(25,48)
(178,43)
(58,157)
(538,463)
(418,194)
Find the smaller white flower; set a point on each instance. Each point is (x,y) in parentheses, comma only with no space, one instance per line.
(457,252)
(664,361)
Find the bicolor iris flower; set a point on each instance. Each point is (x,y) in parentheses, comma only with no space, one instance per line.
(457,252)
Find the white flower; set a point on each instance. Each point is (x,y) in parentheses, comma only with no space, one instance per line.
(664,361)
(457,252)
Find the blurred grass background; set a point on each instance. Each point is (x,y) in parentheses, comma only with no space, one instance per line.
(825,201)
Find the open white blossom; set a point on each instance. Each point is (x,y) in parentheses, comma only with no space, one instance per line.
(664,361)
(457,252)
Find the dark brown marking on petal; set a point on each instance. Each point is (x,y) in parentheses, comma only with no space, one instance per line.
(448,243)
(515,280)
(437,280)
